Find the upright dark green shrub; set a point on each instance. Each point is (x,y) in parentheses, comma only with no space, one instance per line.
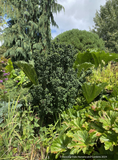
(58,82)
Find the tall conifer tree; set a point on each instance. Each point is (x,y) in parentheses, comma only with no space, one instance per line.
(106,25)
(29,27)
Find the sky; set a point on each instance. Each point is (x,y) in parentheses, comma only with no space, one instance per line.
(78,14)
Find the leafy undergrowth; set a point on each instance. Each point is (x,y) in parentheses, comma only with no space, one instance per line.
(91,131)
(17,135)
(108,74)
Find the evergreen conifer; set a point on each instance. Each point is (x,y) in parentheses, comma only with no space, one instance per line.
(29,27)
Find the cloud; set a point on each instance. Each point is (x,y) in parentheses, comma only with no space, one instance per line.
(78,14)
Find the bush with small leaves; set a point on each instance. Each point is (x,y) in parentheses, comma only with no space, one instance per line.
(81,40)
(58,82)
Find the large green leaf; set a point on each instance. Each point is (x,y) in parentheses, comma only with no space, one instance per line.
(82,58)
(60,144)
(115,91)
(115,126)
(106,153)
(99,57)
(28,69)
(83,67)
(82,140)
(91,91)
(9,66)
(76,123)
(94,56)
(108,118)
(109,140)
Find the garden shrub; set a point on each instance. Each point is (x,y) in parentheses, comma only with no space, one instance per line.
(3,49)
(12,81)
(58,82)
(93,56)
(3,64)
(83,64)
(81,40)
(4,109)
(107,74)
(17,137)
(91,131)
(16,132)
(3,74)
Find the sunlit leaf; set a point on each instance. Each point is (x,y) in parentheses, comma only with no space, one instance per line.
(91,91)
(28,69)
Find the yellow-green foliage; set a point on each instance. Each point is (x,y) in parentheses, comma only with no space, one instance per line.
(108,74)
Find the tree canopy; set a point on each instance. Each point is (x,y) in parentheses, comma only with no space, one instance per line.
(106,25)
(2,21)
(29,27)
(1,18)
(81,40)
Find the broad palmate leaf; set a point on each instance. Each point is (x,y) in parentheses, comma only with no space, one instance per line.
(91,91)
(28,69)
(83,67)
(60,144)
(82,141)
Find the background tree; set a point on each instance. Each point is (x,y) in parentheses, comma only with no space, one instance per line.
(3,49)
(106,25)
(81,40)
(2,21)
(27,27)
(29,36)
